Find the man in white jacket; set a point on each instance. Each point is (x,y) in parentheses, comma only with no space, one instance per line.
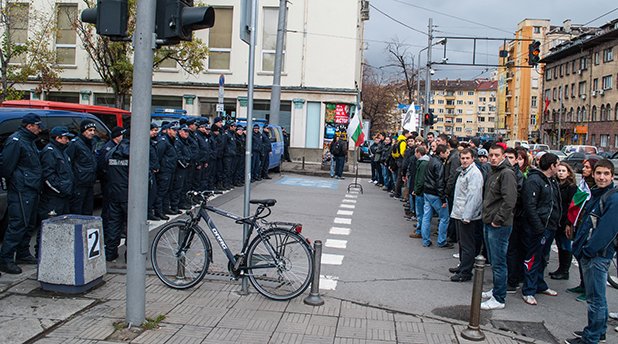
(467,207)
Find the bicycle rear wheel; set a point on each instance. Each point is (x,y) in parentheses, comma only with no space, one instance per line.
(279,264)
(612,273)
(179,255)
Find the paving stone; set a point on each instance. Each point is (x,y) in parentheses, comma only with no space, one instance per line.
(237,318)
(106,309)
(490,337)
(381,330)
(352,310)
(437,328)
(189,335)
(223,336)
(109,291)
(407,318)
(286,338)
(378,314)
(322,326)
(331,307)
(86,328)
(352,328)
(254,337)
(293,323)
(317,340)
(25,287)
(406,326)
(21,306)
(159,335)
(20,329)
(441,338)
(196,315)
(49,340)
(216,299)
(411,338)
(265,321)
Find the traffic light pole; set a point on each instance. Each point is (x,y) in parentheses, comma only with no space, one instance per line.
(275,97)
(428,73)
(137,236)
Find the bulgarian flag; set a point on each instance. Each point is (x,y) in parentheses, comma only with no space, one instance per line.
(355,129)
(577,203)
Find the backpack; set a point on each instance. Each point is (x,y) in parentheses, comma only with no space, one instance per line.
(338,150)
(396,153)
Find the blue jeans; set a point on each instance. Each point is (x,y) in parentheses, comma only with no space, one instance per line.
(497,242)
(339,162)
(433,203)
(595,275)
(387,178)
(332,166)
(420,210)
(538,247)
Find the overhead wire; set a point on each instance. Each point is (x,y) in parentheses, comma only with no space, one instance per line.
(397,21)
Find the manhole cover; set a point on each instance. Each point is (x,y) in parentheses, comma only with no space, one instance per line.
(460,312)
(536,330)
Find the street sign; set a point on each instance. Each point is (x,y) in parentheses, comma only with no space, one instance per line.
(219,108)
(245,20)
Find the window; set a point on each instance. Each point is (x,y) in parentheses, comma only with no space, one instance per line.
(597,58)
(460,102)
(537,29)
(567,68)
(616,112)
(458,129)
(582,88)
(460,93)
(608,55)
(593,114)
(607,82)
(440,110)
(481,119)
(492,99)
(583,63)
(65,35)
(481,109)
(593,139)
(533,120)
(459,111)
(440,101)
(615,141)
(482,99)
(220,40)
(269,39)
(18,27)
(548,74)
(554,92)
(584,114)
(566,91)
(470,93)
(573,90)
(533,103)
(458,120)
(595,84)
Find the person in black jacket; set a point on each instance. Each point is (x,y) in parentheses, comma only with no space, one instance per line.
(286,145)
(82,155)
(179,189)
(166,152)
(229,156)
(57,175)
(193,179)
(450,179)
(153,169)
(203,142)
(116,136)
(256,153)
(542,206)
(568,188)
(217,139)
(22,168)
(240,157)
(267,151)
(117,173)
(435,198)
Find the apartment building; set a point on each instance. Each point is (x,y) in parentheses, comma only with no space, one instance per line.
(464,108)
(321,67)
(580,90)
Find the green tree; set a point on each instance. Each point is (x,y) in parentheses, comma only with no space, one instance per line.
(113,60)
(25,54)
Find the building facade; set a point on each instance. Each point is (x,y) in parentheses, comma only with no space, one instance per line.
(321,66)
(581,77)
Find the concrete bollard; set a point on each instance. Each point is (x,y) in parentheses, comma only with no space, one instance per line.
(303,166)
(314,298)
(473,332)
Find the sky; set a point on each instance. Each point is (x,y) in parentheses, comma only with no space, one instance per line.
(471,18)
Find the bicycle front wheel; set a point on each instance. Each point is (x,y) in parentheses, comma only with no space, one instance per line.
(279,264)
(179,255)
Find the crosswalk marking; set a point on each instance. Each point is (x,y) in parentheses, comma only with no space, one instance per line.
(347,206)
(351,196)
(343,221)
(332,259)
(348,200)
(328,282)
(345,212)
(339,231)
(334,243)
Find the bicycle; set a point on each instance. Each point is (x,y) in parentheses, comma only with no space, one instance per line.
(278,261)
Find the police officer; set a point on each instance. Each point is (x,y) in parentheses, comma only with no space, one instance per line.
(22,168)
(117,135)
(218,148)
(229,156)
(154,167)
(167,161)
(193,180)
(183,150)
(240,157)
(81,153)
(203,143)
(57,175)
(117,175)
(256,154)
(267,149)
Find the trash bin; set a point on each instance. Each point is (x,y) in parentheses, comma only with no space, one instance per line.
(71,254)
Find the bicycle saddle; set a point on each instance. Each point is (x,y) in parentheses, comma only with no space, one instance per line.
(264,202)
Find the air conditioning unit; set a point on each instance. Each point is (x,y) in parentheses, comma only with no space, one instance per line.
(583,96)
(579,72)
(594,93)
(601,92)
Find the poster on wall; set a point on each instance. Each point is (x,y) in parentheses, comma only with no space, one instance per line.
(336,118)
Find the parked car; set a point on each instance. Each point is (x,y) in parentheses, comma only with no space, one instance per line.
(10,120)
(560,154)
(576,160)
(276,141)
(535,148)
(580,148)
(517,143)
(364,151)
(607,155)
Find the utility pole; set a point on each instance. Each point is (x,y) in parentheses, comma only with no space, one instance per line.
(559,122)
(428,71)
(137,236)
(275,97)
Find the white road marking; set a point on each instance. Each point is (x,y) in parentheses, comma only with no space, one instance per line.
(339,231)
(328,282)
(336,243)
(348,206)
(353,192)
(351,196)
(348,201)
(332,259)
(345,212)
(343,221)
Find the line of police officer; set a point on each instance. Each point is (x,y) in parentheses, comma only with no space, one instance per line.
(60,178)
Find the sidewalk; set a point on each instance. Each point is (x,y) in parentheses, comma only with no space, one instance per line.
(211,313)
(315,169)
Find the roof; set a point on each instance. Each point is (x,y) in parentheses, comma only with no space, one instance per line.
(487,85)
(585,41)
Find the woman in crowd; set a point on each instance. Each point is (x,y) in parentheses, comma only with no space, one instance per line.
(568,187)
(384,160)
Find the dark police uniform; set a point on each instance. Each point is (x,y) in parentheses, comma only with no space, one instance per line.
(102,174)
(22,168)
(81,153)
(266,148)
(194,169)
(203,143)
(57,180)
(240,159)
(154,167)
(229,158)
(256,156)
(167,160)
(218,168)
(117,175)
(179,189)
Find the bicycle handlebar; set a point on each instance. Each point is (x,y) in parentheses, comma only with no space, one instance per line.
(203,195)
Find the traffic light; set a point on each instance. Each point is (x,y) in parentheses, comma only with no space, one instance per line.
(110,18)
(426,119)
(177,19)
(431,117)
(534,53)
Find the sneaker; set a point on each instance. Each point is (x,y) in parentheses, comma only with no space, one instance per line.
(574,341)
(460,278)
(549,292)
(447,245)
(576,290)
(581,298)
(456,255)
(10,268)
(26,260)
(415,235)
(511,289)
(454,270)
(529,299)
(579,334)
(613,315)
(492,303)
(488,294)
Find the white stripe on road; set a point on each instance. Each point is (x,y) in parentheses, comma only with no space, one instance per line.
(354,192)
(339,231)
(343,221)
(348,201)
(332,259)
(351,196)
(336,243)
(328,282)
(348,206)
(345,212)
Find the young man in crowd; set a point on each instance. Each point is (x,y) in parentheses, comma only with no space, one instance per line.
(435,198)
(419,183)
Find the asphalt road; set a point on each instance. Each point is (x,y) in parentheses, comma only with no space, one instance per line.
(372,260)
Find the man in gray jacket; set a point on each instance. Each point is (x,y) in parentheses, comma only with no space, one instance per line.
(466,214)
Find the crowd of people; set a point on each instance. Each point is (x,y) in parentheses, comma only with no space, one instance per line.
(59,179)
(510,207)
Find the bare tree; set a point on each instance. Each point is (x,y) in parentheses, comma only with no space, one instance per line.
(25,53)
(379,98)
(113,60)
(403,61)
